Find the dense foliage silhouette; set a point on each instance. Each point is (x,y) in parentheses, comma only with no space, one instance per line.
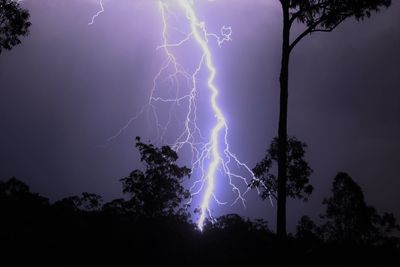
(349,218)
(13,24)
(158,190)
(82,231)
(298,171)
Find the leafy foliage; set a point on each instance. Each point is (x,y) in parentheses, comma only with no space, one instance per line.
(13,23)
(298,171)
(326,15)
(157,191)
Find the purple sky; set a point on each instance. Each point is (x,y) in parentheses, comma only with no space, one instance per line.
(70,86)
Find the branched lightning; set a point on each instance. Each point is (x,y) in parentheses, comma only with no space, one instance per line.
(211,158)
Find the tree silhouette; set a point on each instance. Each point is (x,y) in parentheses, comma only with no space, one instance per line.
(349,218)
(23,218)
(157,191)
(298,171)
(86,202)
(306,229)
(13,24)
(18,192)
(117,207)
(75,231)
(318,16)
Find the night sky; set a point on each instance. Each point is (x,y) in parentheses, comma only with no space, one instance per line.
(69,87)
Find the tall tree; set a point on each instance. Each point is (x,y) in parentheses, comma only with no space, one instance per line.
(317,16)
(13,24)
(349,218)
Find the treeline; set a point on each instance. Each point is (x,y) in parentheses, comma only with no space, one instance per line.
(151,226)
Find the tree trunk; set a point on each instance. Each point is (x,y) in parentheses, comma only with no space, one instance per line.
(282,130)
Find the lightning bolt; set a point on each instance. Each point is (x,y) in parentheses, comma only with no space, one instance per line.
(98,12)
(199,33)
(211,158)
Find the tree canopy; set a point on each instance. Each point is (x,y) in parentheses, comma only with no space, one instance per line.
(298,171)
(156,191)
(13,24)
(350,219)
(326,15)
(75,229)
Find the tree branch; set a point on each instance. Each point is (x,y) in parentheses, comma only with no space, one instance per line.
(313,28)
(301,36)
(330,28)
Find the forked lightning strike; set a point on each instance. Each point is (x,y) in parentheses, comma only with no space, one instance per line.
(212,158)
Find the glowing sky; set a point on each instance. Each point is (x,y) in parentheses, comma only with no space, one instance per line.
(69,87)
